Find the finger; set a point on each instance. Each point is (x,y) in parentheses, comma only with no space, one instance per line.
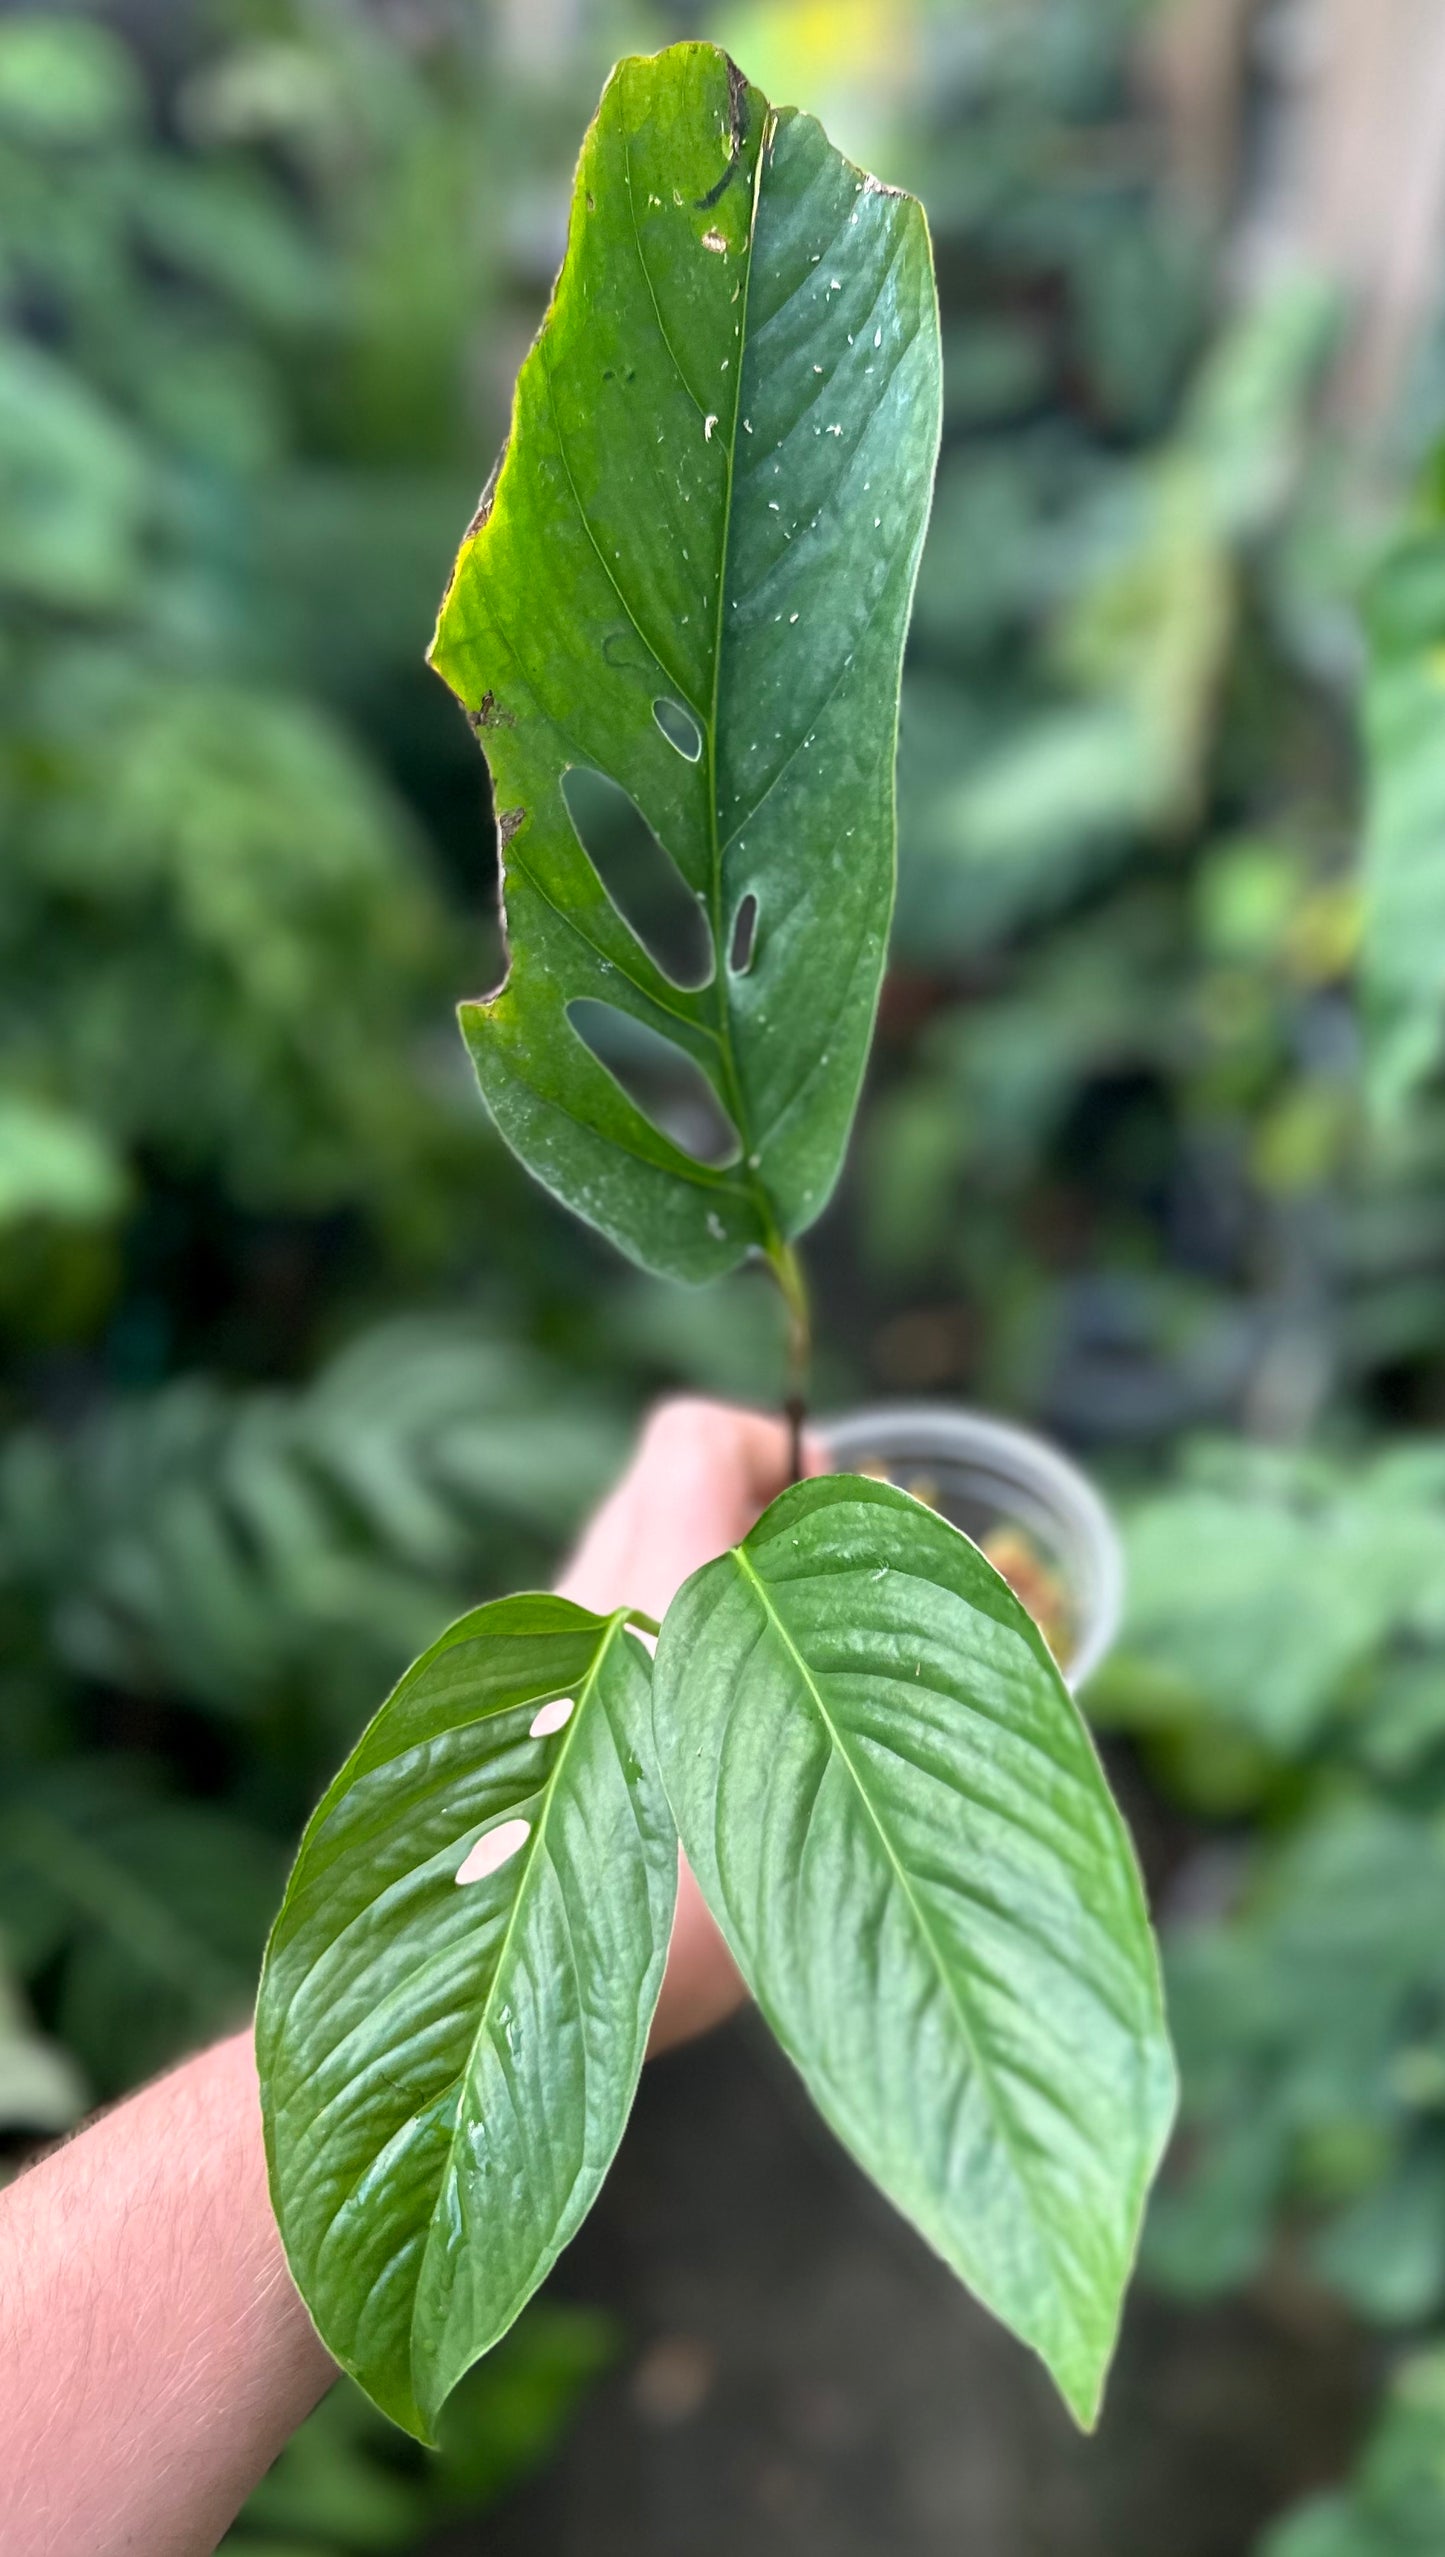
(728,1443)
(700,1476)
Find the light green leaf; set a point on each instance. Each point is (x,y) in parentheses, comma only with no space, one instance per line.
(894,1810)
(713,499)
(68,84)
(54,1163)
(1213,1575)
(74,487)
(1403,873)
(447,2065)
(1394,2505)
(1351,1558)
(41,2088)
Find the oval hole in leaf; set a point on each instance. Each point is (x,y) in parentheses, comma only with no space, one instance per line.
(662,1079)
(679,728)
(551,1718)
(493,1849)
(393,2005)
(745,933)
(642,880)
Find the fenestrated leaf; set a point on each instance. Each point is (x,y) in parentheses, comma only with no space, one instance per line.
(714,496)
(896,1814)
(447,2065)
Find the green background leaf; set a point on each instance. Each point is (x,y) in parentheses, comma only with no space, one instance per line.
(1395,2504)
(714,497)
(894,1810)
(346,2486)
(446,2071)
(1404,903)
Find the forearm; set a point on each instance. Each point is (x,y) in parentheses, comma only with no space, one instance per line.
(154,2355)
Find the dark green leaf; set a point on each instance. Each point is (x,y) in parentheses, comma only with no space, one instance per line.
(347,2486)
(894,1809)
(507,2416)
(285,1553)
(146,1916)
(1313,2075)
(446,2070)
(1395,2504)
(714,497)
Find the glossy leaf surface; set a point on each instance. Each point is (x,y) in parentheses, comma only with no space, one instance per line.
(897,1817)
(707,522)
(447,2064)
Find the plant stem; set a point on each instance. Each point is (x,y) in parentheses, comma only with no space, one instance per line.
(787,1269)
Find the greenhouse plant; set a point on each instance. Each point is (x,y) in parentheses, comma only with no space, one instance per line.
(691,575)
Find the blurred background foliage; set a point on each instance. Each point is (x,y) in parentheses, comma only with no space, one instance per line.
(294,1363)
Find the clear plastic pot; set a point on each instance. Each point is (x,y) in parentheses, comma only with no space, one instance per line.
(1019,1498)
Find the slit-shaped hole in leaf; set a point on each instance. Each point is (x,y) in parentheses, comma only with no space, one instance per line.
(643,881)
(679,728)
(662,1079)
(744,935)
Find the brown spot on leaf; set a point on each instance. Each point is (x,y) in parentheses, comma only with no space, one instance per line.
(489,713)
(508,820)
(714,240)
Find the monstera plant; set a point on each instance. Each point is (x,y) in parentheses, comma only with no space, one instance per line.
(691,574)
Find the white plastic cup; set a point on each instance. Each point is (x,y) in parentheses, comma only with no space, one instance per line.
(985,1474)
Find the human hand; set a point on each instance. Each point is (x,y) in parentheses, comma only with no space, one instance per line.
(701,1475)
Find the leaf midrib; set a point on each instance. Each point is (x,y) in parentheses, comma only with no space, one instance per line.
(615,1625)
(543,1693)
(985,2073)
(722,1034)
(767,1213)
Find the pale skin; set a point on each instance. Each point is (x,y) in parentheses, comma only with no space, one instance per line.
(154,2354)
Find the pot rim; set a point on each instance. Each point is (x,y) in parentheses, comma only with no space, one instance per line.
(1089,1553)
